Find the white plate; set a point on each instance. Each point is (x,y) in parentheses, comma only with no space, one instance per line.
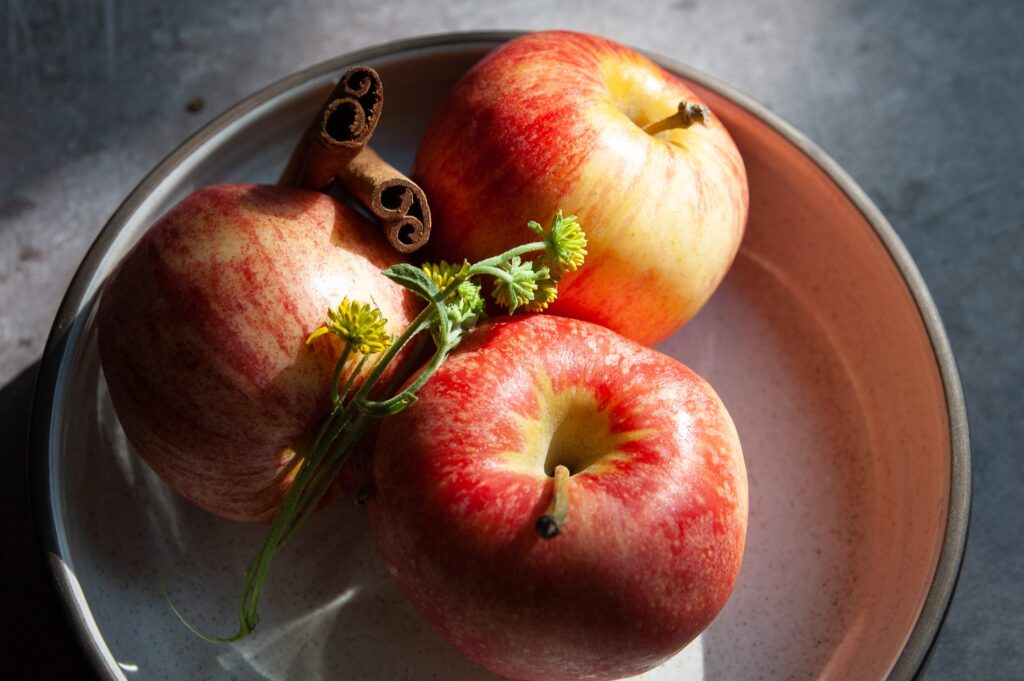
(822,341)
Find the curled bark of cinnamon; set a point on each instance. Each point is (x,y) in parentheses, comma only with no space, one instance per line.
(334,147)
(396,200)
(338,132)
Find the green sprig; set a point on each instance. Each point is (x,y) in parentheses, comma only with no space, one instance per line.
(454,307)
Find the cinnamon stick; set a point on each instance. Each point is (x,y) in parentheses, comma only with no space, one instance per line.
(396,200)
(338,132)
(334,147)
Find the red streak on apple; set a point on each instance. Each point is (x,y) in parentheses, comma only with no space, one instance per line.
(202,334)
(554,120)
(657,501)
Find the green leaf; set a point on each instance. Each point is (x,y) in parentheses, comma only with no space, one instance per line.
(414,279)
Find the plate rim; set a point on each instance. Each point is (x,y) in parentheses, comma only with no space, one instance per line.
(916,651)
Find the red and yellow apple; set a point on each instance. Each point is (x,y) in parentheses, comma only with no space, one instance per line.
(657,501)
(557,120)
(202,334)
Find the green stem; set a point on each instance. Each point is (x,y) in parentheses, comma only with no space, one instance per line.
(413,356)
(495,272)
(418,324)
(352,378)
(424,376)
(336,378)
(327,473)
(507,255)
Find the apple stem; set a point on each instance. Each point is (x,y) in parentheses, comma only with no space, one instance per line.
(684,117)
(550,524)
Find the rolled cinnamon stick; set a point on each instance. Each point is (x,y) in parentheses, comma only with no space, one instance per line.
(338,132)
(334,147)
(396,200)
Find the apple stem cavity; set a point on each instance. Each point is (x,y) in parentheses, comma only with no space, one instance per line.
(454,307)
(550,524)
(686,115)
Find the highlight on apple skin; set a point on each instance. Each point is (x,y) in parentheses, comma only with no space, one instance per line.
(653,539)
(557,119)
(202,334)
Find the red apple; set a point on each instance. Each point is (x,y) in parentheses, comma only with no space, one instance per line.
(657,501)
(202,334)
(555,120)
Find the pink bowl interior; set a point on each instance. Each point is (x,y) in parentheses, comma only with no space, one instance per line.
(848,418)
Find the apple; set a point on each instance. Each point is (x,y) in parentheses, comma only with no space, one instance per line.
(202,332)
(654,497)
(556,120)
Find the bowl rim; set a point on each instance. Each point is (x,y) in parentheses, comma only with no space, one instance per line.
(916,651)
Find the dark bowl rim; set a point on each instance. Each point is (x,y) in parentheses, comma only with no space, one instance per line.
(917,649)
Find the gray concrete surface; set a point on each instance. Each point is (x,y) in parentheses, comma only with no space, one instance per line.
(921,101)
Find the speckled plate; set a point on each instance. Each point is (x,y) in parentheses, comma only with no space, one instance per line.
(823,342)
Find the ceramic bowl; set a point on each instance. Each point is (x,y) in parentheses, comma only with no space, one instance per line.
(822,341)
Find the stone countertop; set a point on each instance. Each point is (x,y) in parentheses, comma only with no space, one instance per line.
(920,101)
